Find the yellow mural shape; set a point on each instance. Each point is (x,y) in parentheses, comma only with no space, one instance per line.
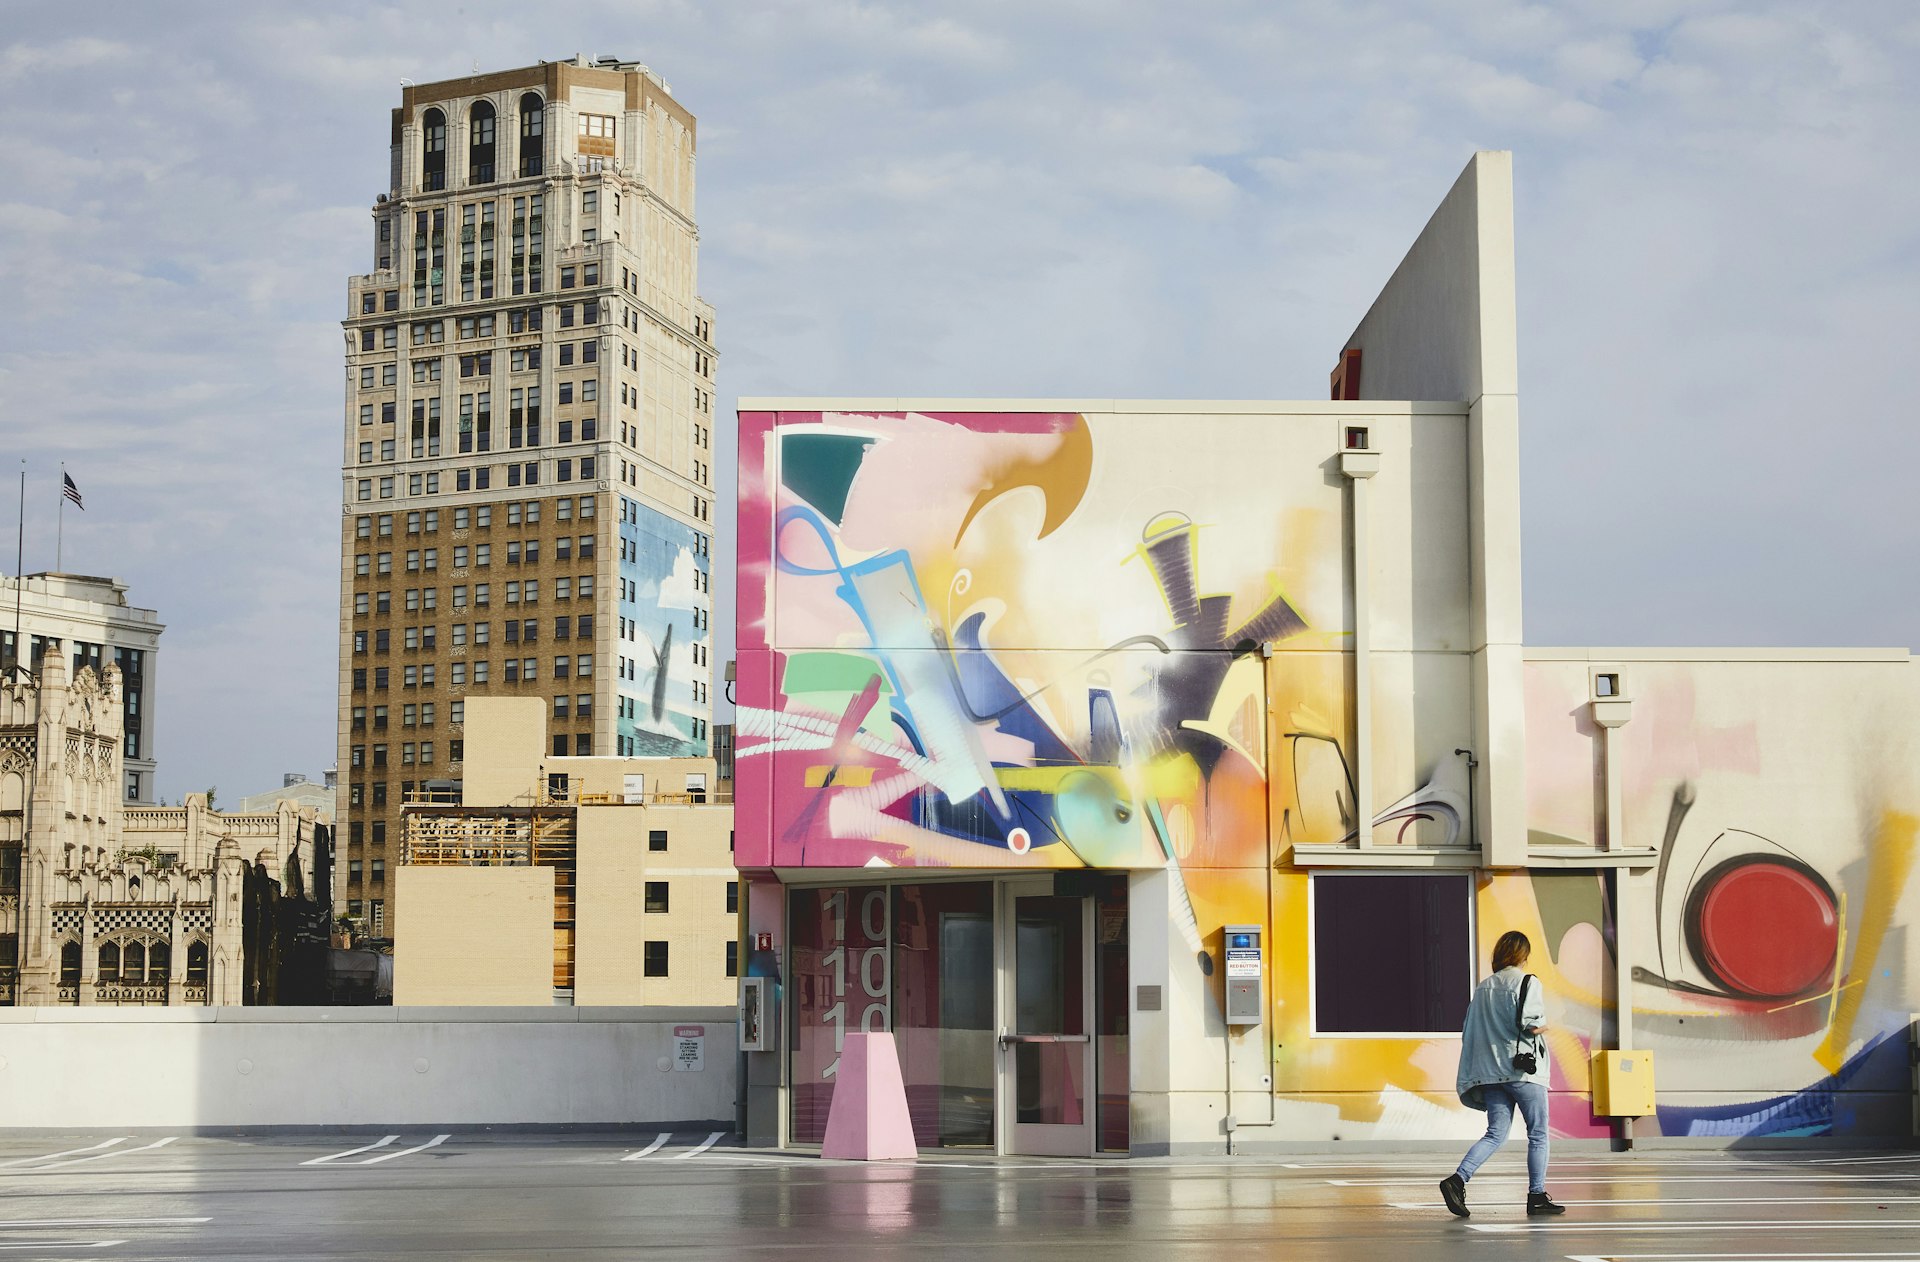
(1892,852)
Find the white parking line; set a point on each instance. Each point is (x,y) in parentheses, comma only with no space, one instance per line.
(1768,1224)
(124,1152)
(1711,1257)
(1641,1160)
(705,1144)
(61,1244)
(101,1222)
(659,1142)
(351,1152)
(435,1142)
(49,1156)
(1704,1200)
(1647,1178)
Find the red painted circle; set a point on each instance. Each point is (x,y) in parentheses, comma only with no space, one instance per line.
(1768,929)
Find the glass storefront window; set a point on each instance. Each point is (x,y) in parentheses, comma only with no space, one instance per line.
(919,959)
(839,960)
(943,1010)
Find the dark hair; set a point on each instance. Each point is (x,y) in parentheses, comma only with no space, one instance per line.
(1512,948)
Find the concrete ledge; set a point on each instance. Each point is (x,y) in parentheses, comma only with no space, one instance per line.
(1116,407)
(209,1070)
(362,1016)
(1604,655)
(1337,856)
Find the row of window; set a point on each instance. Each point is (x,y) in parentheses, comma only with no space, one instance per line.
(513,671)
(478,555)
(518,592)
(479,478)
(515,631)
(411,753)
(480,517)
(482,146)
(147,962)
(424,675)
(595,142)
(411,715)
(656,897)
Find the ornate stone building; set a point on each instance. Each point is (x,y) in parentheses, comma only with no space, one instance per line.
(103,903)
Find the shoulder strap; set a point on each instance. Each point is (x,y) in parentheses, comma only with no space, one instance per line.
(1520,1012)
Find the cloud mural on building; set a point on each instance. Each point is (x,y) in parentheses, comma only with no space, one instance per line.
(663,571)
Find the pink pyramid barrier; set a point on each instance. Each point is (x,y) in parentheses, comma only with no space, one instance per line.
(868,1120)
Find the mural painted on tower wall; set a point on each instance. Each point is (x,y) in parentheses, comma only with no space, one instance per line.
(664,576)
(1035,641)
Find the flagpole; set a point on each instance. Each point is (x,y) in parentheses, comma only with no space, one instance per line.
(19,573)
(60,526)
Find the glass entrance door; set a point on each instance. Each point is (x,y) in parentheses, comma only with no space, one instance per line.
(1046,1049)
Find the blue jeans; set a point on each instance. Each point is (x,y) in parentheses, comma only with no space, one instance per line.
(1501,1099)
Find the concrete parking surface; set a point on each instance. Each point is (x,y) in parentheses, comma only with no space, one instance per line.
(441,1194)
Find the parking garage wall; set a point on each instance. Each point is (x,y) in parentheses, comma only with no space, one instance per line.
(219,1068)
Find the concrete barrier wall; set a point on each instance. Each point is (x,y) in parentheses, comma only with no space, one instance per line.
(185,1068)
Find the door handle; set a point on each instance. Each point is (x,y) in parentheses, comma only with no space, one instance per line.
(1006,1039)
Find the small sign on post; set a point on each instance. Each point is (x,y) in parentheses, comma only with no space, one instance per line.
(689,1048)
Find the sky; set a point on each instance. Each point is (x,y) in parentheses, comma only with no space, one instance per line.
(1717,212)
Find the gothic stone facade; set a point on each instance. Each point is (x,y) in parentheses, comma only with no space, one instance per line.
(102,903)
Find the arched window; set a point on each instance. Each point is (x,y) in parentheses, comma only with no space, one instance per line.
(109,970)
(533,126)
(70,964)
(159,963)
(133,963)
(480,143)
(196,964)
(433,134)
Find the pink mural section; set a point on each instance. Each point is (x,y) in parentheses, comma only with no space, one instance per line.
(960,650)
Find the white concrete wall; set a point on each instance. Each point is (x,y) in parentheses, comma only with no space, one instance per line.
(63,1068)
(1445,327)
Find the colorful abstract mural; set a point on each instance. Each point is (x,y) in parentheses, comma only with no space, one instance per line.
(1038,641)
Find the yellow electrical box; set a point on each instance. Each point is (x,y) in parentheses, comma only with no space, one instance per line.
(1622,1084)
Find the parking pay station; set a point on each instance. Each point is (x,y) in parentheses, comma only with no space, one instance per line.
(1246,970)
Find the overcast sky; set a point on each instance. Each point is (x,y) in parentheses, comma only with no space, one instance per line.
(1719,276)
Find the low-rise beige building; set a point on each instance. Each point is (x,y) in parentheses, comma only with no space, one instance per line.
(539,878)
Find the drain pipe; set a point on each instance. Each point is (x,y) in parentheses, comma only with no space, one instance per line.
(1473,805)
(1611,709)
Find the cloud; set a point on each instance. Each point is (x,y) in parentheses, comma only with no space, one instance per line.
(1107,197)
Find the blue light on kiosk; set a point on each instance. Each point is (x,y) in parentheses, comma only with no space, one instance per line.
(1242,940)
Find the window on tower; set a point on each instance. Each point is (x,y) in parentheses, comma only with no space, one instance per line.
(480,143)
(533,114)
(433,158)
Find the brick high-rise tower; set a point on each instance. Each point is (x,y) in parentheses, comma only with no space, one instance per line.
(526,482)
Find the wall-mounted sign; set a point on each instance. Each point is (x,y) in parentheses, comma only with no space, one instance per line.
(689,1048)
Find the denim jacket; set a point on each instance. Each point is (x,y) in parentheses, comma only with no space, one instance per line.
(1492,1034)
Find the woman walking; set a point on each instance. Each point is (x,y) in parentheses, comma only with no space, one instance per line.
(1503,1067)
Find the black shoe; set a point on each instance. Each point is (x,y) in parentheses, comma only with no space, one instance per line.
(1453,1189)
(1539,1204)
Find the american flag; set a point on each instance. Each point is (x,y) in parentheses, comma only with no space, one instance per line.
(69,491)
